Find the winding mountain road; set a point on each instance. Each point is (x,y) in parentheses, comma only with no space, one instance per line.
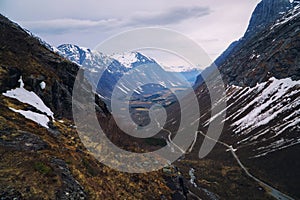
(170,140)
(272,191)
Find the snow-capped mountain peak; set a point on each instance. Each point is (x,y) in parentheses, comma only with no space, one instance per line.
(130,59)
(74,53)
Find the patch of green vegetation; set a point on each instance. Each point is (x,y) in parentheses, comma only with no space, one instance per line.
(42,168)
(156,142)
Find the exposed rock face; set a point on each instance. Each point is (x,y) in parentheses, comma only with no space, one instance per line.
(273,52)
(266,13)
(71,188)
(296,3)
(23,141)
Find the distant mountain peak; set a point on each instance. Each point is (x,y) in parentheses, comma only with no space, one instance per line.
(79,53)
(130,59)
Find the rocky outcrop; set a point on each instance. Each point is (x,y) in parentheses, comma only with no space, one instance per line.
(273,52)
(265,14)
(71,188)
(23,141)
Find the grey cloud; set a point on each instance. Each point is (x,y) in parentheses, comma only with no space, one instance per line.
(172,16)
(67,25)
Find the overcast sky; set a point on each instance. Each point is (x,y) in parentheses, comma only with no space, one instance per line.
(213,24)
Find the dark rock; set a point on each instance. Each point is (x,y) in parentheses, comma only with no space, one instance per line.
(10,77)
(10,194)
(71,188)
(265,14)
(272,53)
(23,141)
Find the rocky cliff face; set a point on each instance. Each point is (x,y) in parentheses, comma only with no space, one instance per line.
(273,52)
(265,14)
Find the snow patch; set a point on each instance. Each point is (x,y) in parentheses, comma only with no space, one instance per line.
(25,96)
(43,85)
(293,14)
(126,59)
(259,115)
(36,117)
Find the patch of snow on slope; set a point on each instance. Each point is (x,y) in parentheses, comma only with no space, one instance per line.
(43,85)
(25,96)
(275,146)
(259,116)
(126,59)
(36,117)
(258,89)
(292,124)
(293,14)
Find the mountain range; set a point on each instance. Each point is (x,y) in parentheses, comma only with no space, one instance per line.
(113,67)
